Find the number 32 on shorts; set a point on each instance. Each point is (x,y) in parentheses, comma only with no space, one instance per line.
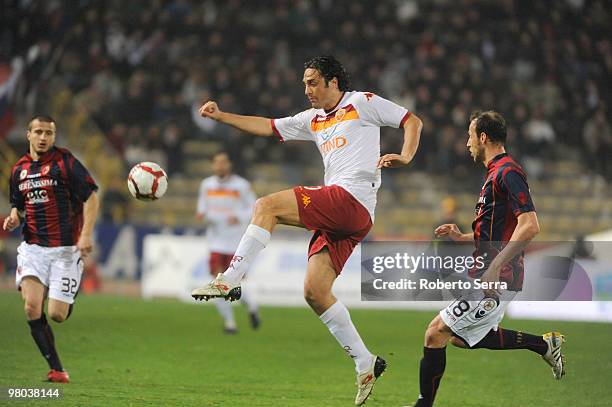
(69,285)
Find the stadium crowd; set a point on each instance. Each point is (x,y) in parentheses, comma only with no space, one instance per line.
(142,68)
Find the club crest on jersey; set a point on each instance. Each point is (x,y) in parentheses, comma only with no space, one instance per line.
(305,200)
(484,307)
(23,174)
(488,304)
(340,114)
(45,170)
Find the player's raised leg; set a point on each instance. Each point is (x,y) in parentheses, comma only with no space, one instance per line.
(467,332)
(280,207)
(318,284)
(548,346)
(33,293)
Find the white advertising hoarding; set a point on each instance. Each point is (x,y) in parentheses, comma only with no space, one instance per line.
(174,265)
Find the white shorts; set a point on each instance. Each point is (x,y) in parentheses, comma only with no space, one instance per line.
(472,319)
(58,268)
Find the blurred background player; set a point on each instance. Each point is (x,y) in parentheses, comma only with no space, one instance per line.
(225,204)
(505,223)
(56,197)
(345,125)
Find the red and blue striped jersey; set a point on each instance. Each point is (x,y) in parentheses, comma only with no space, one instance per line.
(51,193)
(504,196)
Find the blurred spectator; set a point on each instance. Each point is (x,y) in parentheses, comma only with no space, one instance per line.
(115,202)
(539,135)
(597,137)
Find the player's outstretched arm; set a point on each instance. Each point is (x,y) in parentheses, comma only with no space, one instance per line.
(259,126)
(412,136)
(90,212)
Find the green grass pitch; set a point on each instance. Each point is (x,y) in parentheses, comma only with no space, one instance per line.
(130,352)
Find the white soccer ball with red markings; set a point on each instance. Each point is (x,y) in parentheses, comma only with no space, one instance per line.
(147,181)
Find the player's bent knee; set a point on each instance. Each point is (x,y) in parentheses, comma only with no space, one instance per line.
(271,205)
(263,206)
(437,333)
(458,343)
(431,336)
(310,294)
(58,316)
(33,311)
(315,295)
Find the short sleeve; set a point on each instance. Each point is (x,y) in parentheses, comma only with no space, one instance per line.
(294,127)
(81,182)
(381,112)
(518,192)
(17,199)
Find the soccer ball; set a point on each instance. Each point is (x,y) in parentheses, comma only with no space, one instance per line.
(147,181)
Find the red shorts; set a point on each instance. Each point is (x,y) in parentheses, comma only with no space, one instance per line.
(339,221)
(219,261)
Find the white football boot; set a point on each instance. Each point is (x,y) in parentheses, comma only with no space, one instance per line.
(553,356)
(218,288)
(366,380)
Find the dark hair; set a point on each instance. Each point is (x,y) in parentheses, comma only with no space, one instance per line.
(220,152)
(492,124)
(40,118)
(330,68)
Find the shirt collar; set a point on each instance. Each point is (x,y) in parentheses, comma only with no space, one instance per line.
(330,111)
(224,179)
(495,159)
(43,158)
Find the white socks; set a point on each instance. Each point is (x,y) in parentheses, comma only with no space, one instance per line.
(339,323)
(253,241)
(226,312)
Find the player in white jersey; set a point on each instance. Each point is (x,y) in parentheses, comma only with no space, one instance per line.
(225,204)
(345,126)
